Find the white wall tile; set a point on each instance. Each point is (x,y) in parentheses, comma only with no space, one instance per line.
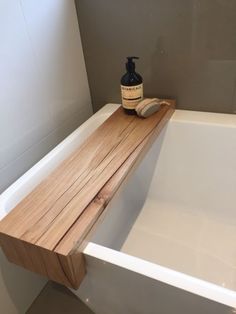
(43,80)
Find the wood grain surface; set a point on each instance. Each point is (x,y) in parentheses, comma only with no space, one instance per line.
(43,232)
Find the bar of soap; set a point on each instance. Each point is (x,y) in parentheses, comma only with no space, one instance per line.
(147,107)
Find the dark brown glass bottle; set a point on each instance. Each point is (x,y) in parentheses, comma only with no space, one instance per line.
(131,87)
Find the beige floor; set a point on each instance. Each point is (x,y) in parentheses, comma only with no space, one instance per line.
(57,299)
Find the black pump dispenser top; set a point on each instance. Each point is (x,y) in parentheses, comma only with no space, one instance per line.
(130,65)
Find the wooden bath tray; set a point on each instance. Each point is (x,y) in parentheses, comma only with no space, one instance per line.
(43,232)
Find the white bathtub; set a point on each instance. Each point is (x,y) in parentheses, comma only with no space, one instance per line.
(167,241)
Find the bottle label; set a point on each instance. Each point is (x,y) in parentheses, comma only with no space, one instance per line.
(131,95)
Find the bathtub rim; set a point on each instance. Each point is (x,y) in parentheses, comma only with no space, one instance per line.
(205,289)
(160,273)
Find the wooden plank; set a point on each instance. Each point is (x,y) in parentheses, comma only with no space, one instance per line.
(44,231)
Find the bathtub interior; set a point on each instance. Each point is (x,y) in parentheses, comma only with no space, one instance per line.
(177,209)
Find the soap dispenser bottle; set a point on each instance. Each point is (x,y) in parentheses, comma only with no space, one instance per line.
(131,87)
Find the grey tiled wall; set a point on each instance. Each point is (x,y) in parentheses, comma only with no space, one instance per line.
(187,49)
